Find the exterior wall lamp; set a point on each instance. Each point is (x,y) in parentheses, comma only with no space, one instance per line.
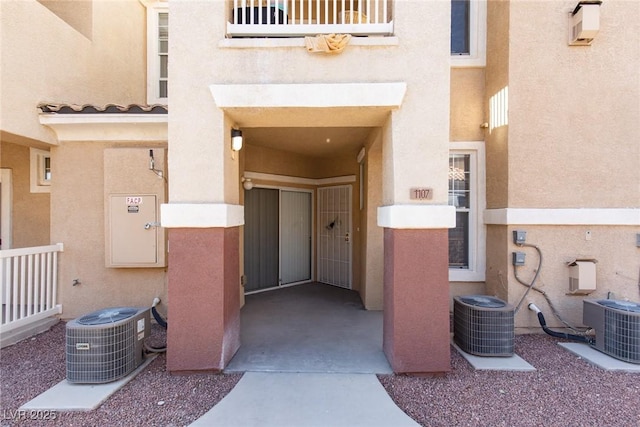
(236,139)
(247,183)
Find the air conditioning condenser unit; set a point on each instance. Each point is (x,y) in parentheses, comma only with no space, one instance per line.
(617,327)
(106,345)
(483,325)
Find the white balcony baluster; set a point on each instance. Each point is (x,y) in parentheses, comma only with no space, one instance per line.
(29,285)
(297,18)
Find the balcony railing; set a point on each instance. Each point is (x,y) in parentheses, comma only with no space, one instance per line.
(297,18)
(29,285)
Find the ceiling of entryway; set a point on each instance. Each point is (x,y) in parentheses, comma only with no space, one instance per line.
(309,141)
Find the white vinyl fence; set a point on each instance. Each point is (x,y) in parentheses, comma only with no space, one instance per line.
(29,278)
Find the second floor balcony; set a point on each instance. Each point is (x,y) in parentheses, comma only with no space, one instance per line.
(299,18)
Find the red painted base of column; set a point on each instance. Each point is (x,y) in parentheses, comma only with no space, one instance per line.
(416,300)
(203,330)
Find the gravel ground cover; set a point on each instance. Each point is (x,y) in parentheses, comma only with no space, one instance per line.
(565,391)
(152,398)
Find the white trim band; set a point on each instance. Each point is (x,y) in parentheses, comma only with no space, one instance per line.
(107,127)
(201,215)
(417,216)
(522,216)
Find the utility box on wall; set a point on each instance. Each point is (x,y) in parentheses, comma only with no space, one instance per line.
(582,276)
(133,194)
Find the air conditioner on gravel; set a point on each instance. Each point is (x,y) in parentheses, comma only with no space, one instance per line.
(483,325)
(617,327)
(106,345)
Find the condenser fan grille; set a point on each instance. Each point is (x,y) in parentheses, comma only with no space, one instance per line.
(483,301)
(108,315)
(105,349)
(622,335)
(100,355)
(483,330)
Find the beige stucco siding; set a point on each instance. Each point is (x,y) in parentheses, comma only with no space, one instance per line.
(497,77)
(78,220)
(56,63)
(614,248)
(420,131)
(30,211)
(467,104)
(573,133)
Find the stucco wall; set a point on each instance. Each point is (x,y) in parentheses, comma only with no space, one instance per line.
(421,128)
(497,77)
(467,104)
(57,63)
(373,235)
(571,142)
(30,211)
(573,110)
(617,269)
(78,220)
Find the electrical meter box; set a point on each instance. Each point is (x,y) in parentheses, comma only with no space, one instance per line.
(133,195)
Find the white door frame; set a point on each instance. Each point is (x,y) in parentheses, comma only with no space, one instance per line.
(6,203)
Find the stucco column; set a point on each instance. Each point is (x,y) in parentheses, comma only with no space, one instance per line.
(204,304)
(416,287)
(204,316)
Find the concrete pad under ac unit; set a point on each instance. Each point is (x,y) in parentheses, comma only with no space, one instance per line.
(481,363)
(66,396)
(595,357)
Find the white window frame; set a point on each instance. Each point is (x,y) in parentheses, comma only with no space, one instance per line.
(477,229)
(154,9)
(37,180)
(477,56)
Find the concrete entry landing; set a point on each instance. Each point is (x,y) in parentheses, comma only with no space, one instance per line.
(313,328)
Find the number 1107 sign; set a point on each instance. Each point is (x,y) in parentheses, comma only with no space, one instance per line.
(421,193)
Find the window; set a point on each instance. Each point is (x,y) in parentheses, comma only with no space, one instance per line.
(466,193)
(460,27)
(460,197)
(468,32)
(157,52)
(40,171)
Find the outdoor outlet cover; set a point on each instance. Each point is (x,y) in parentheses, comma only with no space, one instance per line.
(519,237)
(518,258)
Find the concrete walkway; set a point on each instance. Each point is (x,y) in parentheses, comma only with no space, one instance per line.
(265,399)
(309,328)
(310,354)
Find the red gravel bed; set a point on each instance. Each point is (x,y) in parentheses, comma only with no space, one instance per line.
(564,391)
(152,398)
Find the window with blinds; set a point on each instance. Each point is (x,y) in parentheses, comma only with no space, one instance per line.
(163,54)
(460,197)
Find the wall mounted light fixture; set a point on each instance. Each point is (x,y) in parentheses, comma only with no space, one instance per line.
(247,183)
(236,139)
